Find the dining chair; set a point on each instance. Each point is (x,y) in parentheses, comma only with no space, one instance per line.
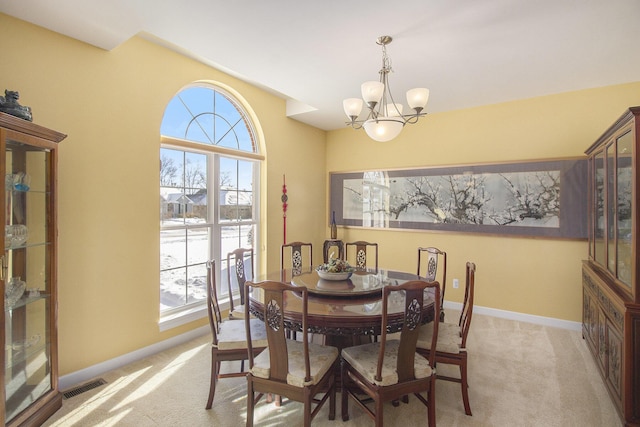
(391,369)
(452,339)
(237,261)
(358,251)
(429,258)
(299,370)
(300,256)
(229,337)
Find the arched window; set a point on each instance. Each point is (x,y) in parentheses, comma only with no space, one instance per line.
(209,178)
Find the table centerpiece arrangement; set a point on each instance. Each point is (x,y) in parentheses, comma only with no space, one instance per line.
(335,269)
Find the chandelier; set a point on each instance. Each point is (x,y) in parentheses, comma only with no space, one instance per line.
(384,120)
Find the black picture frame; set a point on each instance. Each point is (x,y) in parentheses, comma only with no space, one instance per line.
(538,198)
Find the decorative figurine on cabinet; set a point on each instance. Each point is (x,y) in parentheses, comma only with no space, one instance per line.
(9,104)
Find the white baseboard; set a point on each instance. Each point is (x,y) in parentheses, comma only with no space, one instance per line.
(521,317)
(84,375)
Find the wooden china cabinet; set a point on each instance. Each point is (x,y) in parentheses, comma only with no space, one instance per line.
(28,275)
(611,274)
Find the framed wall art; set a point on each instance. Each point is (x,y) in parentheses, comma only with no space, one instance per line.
(545,198)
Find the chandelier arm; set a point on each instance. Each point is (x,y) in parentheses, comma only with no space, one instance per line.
(412,118)
(356,124)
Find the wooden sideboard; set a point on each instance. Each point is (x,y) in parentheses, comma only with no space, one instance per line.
(611,274)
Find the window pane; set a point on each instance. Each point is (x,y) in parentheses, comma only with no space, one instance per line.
(172,288)
(207,116)
(198,245)
(236,189)
(171,168)
(234,237)
(196,283)
(173,249)
(245,175)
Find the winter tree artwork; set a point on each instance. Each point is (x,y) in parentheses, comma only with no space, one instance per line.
(539,198)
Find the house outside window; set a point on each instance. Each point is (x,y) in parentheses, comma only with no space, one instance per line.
(209,183)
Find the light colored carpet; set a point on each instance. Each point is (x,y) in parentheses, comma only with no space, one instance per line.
(520,374)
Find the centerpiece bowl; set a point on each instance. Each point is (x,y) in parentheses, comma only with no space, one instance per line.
(343,275)
(335,269)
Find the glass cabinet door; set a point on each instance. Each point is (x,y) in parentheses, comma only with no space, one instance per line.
(610,204)
(26,272)
(599,226)
(624,199)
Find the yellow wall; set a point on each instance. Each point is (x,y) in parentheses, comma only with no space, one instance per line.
(111,103)
(527,275)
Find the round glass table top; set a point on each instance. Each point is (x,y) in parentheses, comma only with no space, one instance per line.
(361,283)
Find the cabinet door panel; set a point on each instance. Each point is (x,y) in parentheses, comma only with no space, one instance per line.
(615,352)
(602,341)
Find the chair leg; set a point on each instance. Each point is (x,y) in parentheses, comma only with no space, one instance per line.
(431,400)
(307,408)
(250,402)
(332,400)
(214,378)
(379,412)
(345,393)
(465,387)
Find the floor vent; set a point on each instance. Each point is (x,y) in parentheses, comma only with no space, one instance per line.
(81,389)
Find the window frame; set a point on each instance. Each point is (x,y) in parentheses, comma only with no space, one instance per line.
(186,313)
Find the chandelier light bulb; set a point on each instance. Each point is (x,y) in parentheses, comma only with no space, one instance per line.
(352,107)
(384,129)
(372,92)
(394,110)
(417,98)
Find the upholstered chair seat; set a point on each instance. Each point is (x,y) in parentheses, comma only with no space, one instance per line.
(321,359)
(232,334)
(237,312)
(449,337)
(364,359)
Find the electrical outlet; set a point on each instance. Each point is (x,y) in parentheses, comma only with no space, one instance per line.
(456,283)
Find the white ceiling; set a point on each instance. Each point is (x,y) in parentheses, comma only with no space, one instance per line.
(315,53)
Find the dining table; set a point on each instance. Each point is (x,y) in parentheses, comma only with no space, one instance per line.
(347,312)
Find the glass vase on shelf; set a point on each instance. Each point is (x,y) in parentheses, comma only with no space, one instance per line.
(13,292)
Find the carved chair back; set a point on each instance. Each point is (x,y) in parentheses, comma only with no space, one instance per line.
(239,261)
(358,251)
(299,255)
(413,293)
(274,294)
(430,260)
(213,308)
(467,304)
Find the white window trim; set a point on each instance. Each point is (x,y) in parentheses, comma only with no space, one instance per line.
(187,315)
